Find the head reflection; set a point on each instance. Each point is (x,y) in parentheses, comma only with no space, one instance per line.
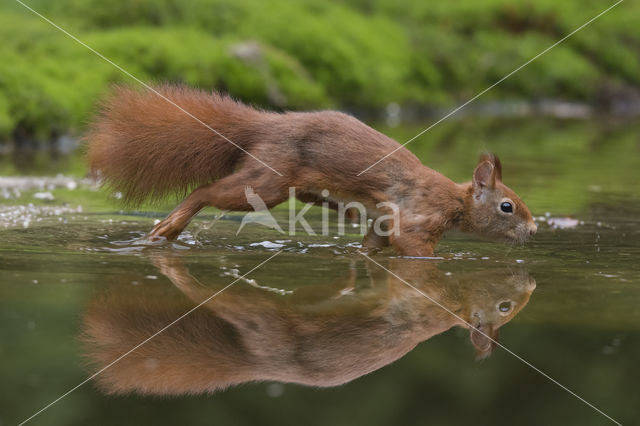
(322,335)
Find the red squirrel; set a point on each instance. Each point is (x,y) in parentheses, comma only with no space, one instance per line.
(316,336)
(146,148)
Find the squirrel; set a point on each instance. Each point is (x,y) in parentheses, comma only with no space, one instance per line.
(146,148)
(315,336)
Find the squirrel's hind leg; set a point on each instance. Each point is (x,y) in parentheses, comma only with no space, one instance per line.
(180,217)
(244,190)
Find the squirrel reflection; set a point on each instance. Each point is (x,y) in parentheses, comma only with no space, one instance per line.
(319,335)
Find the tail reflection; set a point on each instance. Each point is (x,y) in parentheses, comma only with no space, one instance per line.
(318,335)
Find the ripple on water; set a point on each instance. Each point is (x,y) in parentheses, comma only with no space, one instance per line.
(141,241)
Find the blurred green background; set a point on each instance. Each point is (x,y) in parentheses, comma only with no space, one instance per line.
(398,65)
(355,55)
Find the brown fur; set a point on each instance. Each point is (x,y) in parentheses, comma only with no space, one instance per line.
(146,148)
(316,337)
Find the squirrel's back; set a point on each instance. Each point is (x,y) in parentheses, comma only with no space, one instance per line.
(145,146)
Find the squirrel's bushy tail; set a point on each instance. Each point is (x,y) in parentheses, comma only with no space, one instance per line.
(145,147)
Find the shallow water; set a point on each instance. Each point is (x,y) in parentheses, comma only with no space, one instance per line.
(319,333)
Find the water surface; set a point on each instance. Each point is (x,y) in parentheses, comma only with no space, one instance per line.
(320,334)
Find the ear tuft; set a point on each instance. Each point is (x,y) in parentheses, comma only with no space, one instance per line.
(493,159)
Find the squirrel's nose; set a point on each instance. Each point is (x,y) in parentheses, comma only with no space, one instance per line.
(533,228)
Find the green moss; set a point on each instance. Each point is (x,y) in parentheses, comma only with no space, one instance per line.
(314,54)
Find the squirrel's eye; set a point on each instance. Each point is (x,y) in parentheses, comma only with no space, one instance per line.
(504,306)
(506,207)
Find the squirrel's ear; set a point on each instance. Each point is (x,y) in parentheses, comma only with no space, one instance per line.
(493,159)
(484,176)
(484,340)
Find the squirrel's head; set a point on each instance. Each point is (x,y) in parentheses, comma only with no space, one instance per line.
(491,302)
(492,209)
